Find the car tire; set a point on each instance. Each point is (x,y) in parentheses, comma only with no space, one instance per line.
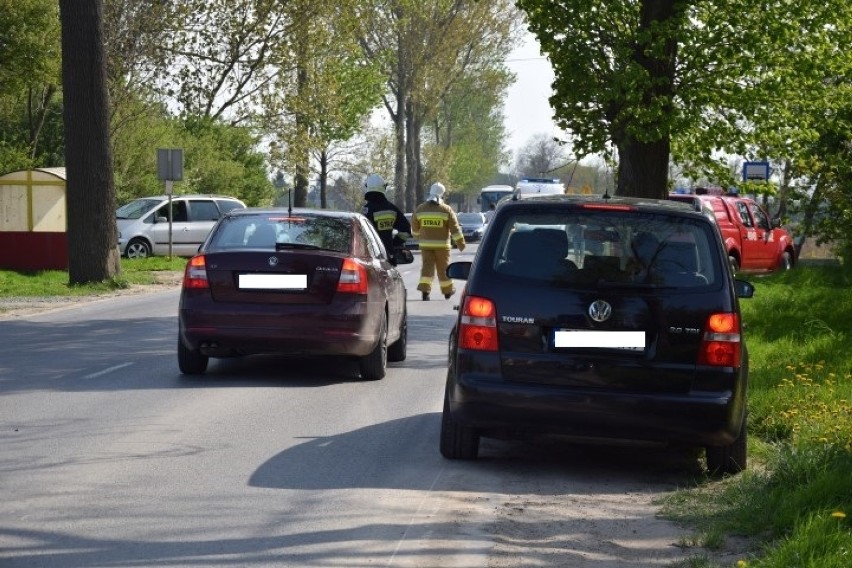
(138,248)
(457,442)
(191,361)
(398,350)
(372,366)
(730,459)
(786,261)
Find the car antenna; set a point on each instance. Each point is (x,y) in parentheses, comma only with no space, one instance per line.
(289,205)
(606,195)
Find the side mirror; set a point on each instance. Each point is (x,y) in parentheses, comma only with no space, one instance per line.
(743,289)
(459,270)
(161,219)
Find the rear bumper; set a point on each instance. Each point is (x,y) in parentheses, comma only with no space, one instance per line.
(338,329)
(500,408)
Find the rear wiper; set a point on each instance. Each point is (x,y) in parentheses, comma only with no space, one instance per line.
(300,246)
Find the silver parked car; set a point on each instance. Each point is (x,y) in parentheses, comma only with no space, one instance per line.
(143,224)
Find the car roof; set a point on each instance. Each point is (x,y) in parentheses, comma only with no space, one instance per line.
(188,195)
(258,211)
(637,203)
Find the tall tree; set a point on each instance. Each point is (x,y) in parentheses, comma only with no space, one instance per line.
(469,123)
(473,44)
(424,47)
(224,57)
(540,157)
(640,77)
(92,233)
(29,72)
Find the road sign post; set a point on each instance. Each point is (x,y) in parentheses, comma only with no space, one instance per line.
(170,170)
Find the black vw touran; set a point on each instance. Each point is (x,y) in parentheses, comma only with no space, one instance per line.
(598,317)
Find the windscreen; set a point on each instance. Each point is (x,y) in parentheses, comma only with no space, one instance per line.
(280,232)
(136,208)
(608,248)
(471,218)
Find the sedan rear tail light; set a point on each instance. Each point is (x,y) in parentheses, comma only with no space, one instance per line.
(353,277)
(721,345)
(195,275)
(478,325)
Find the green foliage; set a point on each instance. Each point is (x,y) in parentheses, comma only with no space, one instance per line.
(16,146)
(29,45)
(30,107)
(473,128)
(224,159)
(218,159)
(758,80)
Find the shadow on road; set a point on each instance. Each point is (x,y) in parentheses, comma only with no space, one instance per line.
(376,455)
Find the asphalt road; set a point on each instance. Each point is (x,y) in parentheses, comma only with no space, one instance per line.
(109,457)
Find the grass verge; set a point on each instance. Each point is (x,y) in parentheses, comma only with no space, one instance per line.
(55,282)
(796,498)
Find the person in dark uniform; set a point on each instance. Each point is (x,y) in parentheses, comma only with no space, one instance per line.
(389,221)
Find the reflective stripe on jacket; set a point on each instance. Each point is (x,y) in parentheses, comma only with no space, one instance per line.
(434,224)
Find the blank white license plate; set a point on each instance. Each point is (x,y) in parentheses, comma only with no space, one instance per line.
(273,282)
(567,338)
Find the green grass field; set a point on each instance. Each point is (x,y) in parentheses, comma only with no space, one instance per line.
(55,282)
(795,499)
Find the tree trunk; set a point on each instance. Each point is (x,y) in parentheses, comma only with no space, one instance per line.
(644,164)
(784,191)
(417,127)
(323,179)
(301,154)
(90,191)
(411,158)
(643,169)
(36,116)
(399,196)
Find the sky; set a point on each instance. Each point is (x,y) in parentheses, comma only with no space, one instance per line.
(527,110)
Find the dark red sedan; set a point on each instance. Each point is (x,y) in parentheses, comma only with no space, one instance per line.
(297,282)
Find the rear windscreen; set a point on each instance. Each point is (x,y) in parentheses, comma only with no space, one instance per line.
(281,232)
(609,248)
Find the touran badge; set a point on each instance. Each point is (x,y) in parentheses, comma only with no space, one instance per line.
(600,311)
(273,260)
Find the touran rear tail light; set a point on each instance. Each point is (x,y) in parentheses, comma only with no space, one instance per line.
(478,325)
(353,277)
(195,275)
(721,345)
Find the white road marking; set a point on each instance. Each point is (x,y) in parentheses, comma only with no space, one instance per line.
(107,370)
(426,497)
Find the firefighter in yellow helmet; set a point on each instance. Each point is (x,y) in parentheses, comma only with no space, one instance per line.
(434,224)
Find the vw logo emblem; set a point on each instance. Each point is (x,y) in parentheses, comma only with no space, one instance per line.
(273,260)
(600,311)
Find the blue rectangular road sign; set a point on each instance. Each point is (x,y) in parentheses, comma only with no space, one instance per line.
(755,170)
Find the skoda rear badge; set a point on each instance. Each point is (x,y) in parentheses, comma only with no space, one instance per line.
(273,260)
(600,310)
